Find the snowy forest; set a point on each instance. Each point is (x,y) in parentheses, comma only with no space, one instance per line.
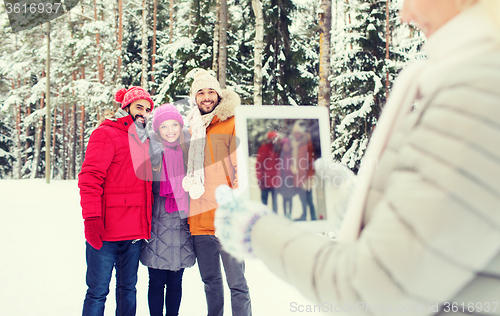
(343,54)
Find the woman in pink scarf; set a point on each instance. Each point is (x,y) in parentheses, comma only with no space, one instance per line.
(170,248)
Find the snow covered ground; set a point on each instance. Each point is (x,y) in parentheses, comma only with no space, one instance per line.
(43,266)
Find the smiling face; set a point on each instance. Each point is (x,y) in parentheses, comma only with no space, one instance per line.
(140,111)
(207,100)
(430,15)
(170,130)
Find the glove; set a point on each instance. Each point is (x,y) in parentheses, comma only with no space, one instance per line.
(234,219)
(155,149)
(94,230)
(340,182)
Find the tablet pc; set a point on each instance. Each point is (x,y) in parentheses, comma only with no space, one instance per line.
(278,147)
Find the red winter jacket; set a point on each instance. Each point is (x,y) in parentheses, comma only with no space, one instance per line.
(267,167)
(115,181)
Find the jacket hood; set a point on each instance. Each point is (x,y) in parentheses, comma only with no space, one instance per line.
(229,101)
(121,122)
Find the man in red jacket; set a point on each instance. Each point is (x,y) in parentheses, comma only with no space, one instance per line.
(115,190)
(267,170)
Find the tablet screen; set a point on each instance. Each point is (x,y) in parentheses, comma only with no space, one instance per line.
(281,161)
(279,146)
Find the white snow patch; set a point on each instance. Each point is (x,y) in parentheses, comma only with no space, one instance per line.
(43,260)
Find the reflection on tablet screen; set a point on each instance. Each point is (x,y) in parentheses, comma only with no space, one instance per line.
(281,161)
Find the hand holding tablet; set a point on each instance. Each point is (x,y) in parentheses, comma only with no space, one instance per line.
(279,146)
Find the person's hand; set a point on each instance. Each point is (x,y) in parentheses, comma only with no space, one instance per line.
(340,182)
(94,230)
(155,149)
(234,219)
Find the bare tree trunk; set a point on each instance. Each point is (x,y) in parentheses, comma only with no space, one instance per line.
(171,27)
(325,26)
(155,6)
(348,12)
(47,114)
(215,59)
(54,151)
(223,44)
(144,54)
(17,166)
(38,140)
(26,135)
(82,134)
(65,139)
(387,37)
(97,39)
(259,46)
(120,39)
(74,142)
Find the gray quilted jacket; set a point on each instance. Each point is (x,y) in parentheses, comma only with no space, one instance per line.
(171,243)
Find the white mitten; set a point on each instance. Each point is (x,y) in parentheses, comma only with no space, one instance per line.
(340,182)
(234,219)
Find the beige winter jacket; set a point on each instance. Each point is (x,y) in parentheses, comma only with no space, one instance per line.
(430,217)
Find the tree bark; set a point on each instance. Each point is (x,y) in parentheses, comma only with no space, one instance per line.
(155,5)
(17,111)
(387,38)
(47,114)
(54,150)
(26,134)
(144,54)
(325,26)
(38,139)
(73,143)
(98,45)
(120,39)
(215,59)
(82,134)
(259,46)
(223,44)
(65,138)
(171,26)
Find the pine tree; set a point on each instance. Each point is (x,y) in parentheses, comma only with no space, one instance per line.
(287,68)
(360,69)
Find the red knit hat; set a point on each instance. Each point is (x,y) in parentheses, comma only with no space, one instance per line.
(273,136)
(126,97)
(166,112)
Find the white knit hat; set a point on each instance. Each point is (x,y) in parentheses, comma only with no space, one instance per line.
(204,80)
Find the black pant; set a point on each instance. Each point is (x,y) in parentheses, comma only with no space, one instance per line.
(264,193)
(156,294)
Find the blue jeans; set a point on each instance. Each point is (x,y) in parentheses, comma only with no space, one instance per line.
(264,194)
(209,253)
(156,294)
(124,256)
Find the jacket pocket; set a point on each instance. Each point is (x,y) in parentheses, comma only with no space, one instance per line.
(125,215)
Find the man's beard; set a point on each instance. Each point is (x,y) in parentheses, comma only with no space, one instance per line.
(203,111)
(139,123)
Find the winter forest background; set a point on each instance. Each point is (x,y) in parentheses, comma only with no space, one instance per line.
(343,54)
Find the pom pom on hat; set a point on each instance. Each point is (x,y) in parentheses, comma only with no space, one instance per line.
(204,80)
(126,97)
(120,94)
(166,112)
